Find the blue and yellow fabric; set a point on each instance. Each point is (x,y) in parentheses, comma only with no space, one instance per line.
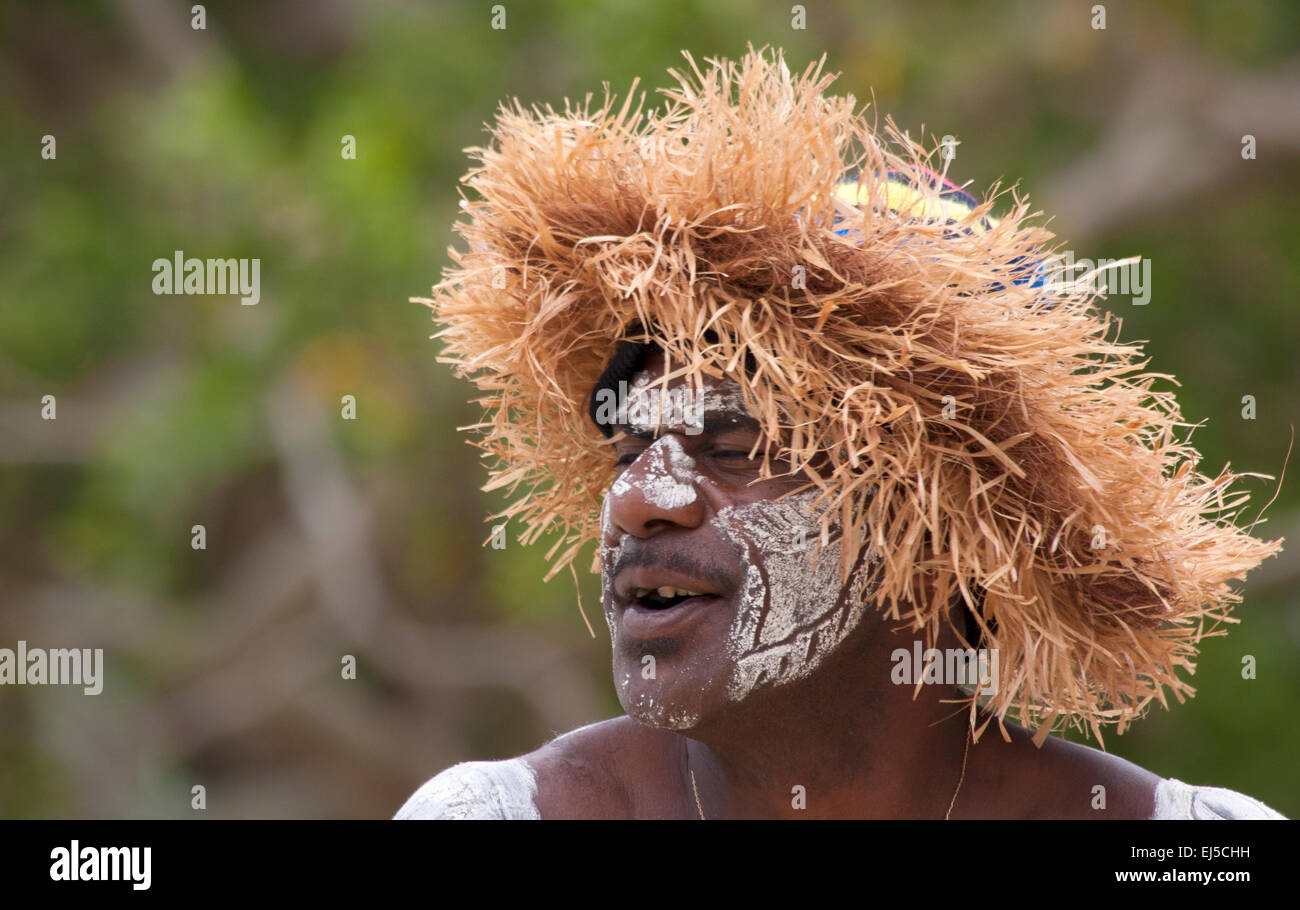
(941,200)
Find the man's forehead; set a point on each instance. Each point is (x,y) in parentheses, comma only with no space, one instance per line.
(709,404)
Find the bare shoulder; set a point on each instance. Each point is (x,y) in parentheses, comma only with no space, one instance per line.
(601,770)
(1063,779)
(476,790)
(1179,801)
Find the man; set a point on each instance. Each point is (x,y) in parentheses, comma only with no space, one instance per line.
(849,466)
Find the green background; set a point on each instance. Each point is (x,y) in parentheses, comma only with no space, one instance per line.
(328,537)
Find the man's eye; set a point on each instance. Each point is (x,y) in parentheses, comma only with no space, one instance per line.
(733,454)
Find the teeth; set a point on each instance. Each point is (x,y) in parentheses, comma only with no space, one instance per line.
(667,592)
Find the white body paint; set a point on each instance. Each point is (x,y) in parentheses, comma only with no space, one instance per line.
(663,717)
(1177,800)
(608,559)
(668,480)
(647,407)
(788,622)
(476,790)
(788,616)
(667,475)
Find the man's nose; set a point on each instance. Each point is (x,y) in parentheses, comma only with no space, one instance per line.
(659,490)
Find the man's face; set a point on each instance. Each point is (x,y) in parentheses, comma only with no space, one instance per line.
(711,588)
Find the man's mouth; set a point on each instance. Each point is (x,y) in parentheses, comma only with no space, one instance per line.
(662,598)
(657,602)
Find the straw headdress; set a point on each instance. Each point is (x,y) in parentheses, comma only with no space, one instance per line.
(995,441)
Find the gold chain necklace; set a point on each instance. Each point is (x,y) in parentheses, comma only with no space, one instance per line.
(693,787)
(961,780)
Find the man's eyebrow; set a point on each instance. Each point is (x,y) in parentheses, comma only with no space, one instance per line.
(721,421)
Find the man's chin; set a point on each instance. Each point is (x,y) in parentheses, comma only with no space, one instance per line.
(661,710)
(676,721)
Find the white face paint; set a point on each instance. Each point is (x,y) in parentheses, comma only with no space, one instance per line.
(667,475)
(791,613)
(609,557)
(653,713)
(648,406)
(667,480)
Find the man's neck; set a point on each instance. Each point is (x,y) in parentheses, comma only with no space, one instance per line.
(850,745)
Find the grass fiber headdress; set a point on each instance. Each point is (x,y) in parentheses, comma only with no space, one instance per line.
(994,441)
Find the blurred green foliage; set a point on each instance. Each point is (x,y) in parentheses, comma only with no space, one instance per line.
(226,142)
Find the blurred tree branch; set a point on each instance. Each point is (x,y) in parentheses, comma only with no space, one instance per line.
(1178,132)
